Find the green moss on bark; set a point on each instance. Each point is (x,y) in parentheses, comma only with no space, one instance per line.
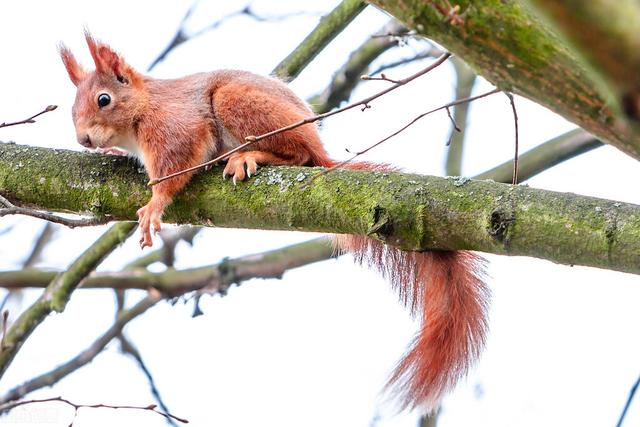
(412,212)
(510,46)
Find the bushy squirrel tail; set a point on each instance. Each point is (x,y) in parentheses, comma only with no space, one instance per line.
(446,291)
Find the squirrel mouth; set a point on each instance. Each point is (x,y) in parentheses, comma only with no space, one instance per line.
(86,141)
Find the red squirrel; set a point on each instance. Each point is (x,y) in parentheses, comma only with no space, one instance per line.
(171,125)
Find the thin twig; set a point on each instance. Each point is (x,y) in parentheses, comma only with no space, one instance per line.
(181,35)
(51,377)
(12,209)
(128,348)
(345,79)
(396,34)
(5,320)
(456,128)
(77,406)
(253,139)
(41,242)
(30,119)
(382,77)
(514,180)
(359,153)
(431,53)
(632,393)
(544,156)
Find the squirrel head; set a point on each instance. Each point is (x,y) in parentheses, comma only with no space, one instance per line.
(109,99)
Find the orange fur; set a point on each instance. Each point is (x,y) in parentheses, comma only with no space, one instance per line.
(446,291)
(174,124)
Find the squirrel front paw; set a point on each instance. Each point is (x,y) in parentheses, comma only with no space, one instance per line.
(148,217)
(240,166)
(112,151)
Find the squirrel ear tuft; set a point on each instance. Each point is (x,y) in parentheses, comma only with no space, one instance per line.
(75,70)
(109,62)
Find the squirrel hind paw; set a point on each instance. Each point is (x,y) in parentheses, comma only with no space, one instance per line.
(240,166)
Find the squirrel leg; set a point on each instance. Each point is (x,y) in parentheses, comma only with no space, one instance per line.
(244,164)
(150,215)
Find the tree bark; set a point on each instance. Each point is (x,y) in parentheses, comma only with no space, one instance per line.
(411,212)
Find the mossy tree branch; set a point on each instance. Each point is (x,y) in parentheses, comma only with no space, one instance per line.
(84,357)
(211,279)
(509,45)
(544,156)
(607,34)
(329,27)
(411,212)
(348,76)
(465,80)
(57,293)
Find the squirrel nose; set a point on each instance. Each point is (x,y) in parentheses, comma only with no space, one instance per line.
(85,141)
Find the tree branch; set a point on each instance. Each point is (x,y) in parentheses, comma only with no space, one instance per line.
(29,119)
(50,378)
(544,156)
(607,34)
(329,27)
(524,57)
(411,212)
(211,278)
(58,292)
(465,80)
(182,35)
(348,76)
(76,406)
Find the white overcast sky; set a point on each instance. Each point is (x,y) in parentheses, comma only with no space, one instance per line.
(315,348)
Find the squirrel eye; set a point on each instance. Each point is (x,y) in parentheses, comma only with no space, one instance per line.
(103,100)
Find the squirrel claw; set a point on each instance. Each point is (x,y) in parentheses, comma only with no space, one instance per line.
(240,166)
(148,218)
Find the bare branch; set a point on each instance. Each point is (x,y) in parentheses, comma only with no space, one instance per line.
(181,36)
(10,405)
(432,52)
(127,347)
(30,119)
(348,76)
(11,209)
(58,292)
(327,29)
(632,393)
(544,156)
(402,129)
(539,66)
(86,356)
(514,179)
(211,278)
(465,81)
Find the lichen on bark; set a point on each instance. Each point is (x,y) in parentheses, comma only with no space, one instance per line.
(412,212)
